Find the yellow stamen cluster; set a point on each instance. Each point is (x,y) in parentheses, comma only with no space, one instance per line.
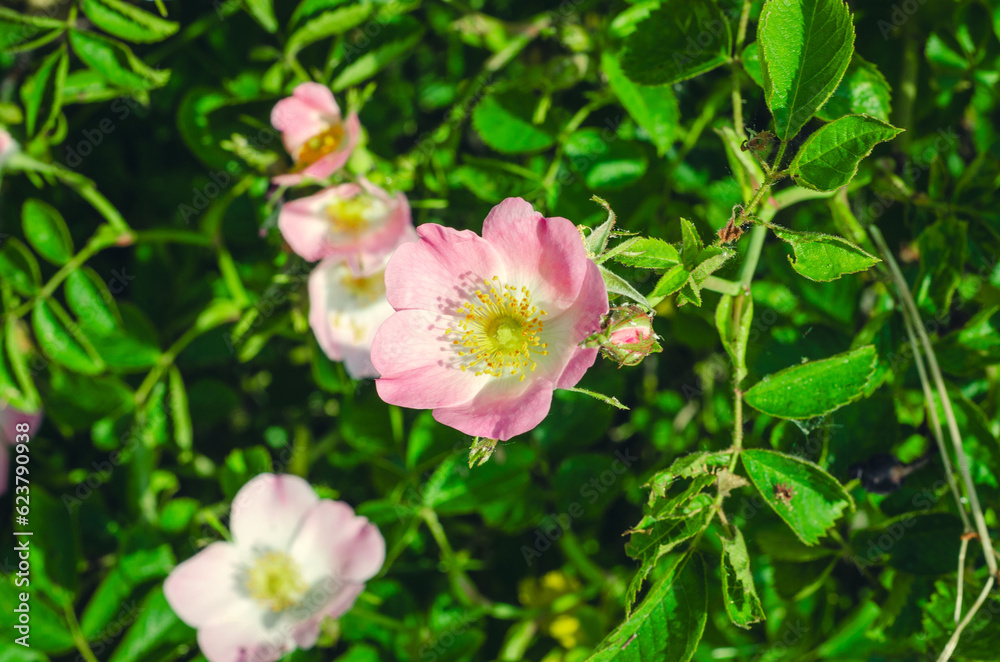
(275,582)
(319,146)
(365,289)
(500,333)
(347,215)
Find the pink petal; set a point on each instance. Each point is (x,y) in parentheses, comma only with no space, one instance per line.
(588,310)
(307,633)
(442,270)
(243,640)
(304,224)
(337,546)
(318,97)
(268,510)
(344,326)
(418,362)
(501,410)
(546,254)
(204,587)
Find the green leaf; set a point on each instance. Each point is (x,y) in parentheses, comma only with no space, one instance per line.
(88,297)
(805,48)
(127,21)
(649,253)
(816,500)
(733,318)
(407,36)
(678,41)
(653,108)
(815,388)
(739,594)
(156,630)
(116,62)
(863,91)
(504,123)
(824,257)
(17,29)
(263,12)
(19,267)
(597,240)
(46,231)
(830,157)
(943,252)
(455,489)
(111,598)
(691,244)
(328,24)
(618,285)
(59,342)
(709,261)
(42,91)
(917,543)
(180,411)
(751,63)
(48,630)
(668,624)
(675,278)
(605,163)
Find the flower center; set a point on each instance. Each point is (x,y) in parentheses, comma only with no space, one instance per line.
(365,289)
(500,334)
(275,582)
(320,145)
(354,215)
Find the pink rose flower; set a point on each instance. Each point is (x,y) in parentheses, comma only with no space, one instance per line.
(314,133)
(9,420)
(487,327)
(345,311)
(295,559)
(357,222)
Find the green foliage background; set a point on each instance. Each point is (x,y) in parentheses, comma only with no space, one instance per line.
(165,330)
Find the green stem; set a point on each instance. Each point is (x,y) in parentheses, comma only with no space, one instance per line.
(232,278)
(574,553)
(465,590)
(171,236)
(757,236)
(78,638)
(97,243)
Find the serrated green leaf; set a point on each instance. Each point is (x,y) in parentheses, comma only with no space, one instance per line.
(116,62)
(676,42)
(690,293)
(815,388)
(19,267)
(58,342)
(328,24)
(750,59)
(42,92)
(815,499)
(825,257)
(943,253)
(503,121)
(649,253)
(830,157)
(48,630)
(862,91)
(20,30)
(738,590)
(653,108)
(127,21)
(710,260)
(691,244)
(668,624)
(615,284)
(733,318)
(805,48)
(673,280)
(597,240)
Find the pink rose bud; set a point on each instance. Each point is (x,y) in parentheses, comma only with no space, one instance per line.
(7,146)
(629,336)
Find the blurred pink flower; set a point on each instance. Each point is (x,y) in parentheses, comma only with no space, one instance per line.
(294,560)
(9,420)
(345,311)
(487,327)
(7,146)
(314,133)
(358,222)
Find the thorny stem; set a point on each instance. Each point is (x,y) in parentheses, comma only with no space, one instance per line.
(735,64)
